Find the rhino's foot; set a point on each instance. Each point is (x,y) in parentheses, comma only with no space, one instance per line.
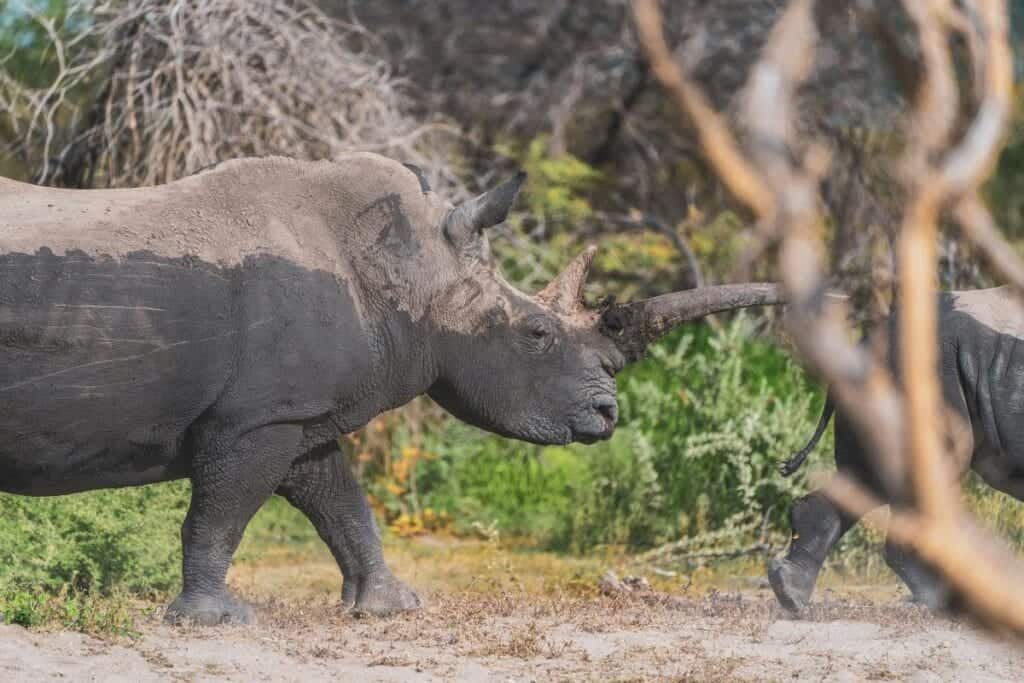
(209,610)
(379,594)
(936,596)
(926,586)
(791,583)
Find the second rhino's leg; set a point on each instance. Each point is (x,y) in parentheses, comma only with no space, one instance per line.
(817,525)
(322,486)
(925,584)
(231,479)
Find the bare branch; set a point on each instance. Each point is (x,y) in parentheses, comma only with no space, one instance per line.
(938,172)
(718,143)
(183,85)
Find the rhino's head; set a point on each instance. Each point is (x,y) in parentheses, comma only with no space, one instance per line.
(542,368)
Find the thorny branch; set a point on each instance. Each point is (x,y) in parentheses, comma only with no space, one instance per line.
(679,551)
(778,178)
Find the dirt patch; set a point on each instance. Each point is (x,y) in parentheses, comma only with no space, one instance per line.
(514,636)
(496,614)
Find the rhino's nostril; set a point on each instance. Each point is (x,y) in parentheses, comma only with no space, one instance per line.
(608,409)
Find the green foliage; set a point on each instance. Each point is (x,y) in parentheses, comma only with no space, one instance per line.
(97,542)
(23,608)
(720,411)
(558,183)
(487,482)
(24,42)
(77,561)
(1000,512)
(1005,190)
(621,502)
(277,524)
(73,609)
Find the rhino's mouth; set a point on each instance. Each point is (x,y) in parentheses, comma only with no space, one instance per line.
(598,422)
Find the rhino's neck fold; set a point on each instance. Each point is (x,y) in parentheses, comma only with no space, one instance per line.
(408,365)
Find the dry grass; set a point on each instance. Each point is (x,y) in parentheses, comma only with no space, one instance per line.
(497,614)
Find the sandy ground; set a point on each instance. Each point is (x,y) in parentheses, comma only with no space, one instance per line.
(517,637)
(495,614)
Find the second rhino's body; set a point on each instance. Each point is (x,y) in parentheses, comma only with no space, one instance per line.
(981,354)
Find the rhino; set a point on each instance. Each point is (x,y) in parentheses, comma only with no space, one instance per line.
(981,338)
(229,326)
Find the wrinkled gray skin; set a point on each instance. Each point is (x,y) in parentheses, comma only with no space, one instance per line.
(228,327)
(981,335)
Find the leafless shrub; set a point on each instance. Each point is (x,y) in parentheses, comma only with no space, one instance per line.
(944,162)
(151,90)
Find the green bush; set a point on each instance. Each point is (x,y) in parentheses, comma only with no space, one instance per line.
(98,541)
(78,610)
(720,411)
(483,480)
(621,502)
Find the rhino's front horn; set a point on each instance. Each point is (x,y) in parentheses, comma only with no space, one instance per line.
(565,292)
(635,325)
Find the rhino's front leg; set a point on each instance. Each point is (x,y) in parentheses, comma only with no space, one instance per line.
(231,479)
(322,486)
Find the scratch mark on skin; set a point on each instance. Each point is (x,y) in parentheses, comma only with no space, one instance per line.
(137,356)
(97,386)
(129,308)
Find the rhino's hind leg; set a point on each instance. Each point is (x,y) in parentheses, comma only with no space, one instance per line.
(322,486)
(231,479)
(817,524)
(925,584)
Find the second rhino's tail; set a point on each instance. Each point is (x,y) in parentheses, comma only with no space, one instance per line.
(793,464)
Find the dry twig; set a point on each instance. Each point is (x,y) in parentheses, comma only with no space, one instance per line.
(151,90)
(938,172)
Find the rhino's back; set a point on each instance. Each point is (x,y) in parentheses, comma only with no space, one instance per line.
(104,363)
(996,308)
(983,352)
(220,216)
(316,215)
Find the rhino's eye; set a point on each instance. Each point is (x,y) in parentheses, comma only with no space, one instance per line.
(539,332)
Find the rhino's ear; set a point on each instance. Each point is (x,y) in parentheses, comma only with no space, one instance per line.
(420,176)
(473,216)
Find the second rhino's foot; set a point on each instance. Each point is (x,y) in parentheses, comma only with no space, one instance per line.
(209,610)
(934,595)
(379,594)
(791,583)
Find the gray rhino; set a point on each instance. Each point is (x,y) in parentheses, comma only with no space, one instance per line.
(982,381)
(229,326)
